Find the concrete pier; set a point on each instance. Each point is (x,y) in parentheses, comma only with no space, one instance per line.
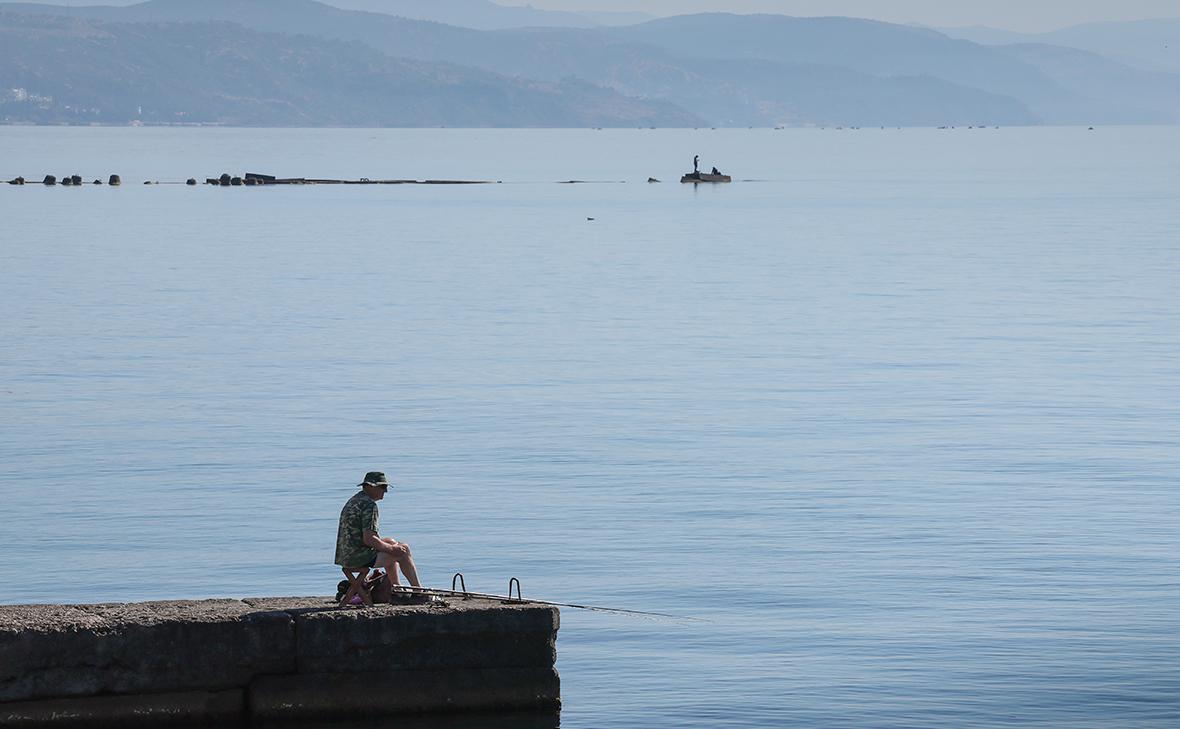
(260,660)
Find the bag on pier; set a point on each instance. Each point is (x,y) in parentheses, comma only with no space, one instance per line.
(376,583)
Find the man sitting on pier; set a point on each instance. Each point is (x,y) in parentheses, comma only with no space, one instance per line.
(358,543)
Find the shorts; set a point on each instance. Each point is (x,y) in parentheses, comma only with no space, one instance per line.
(370,564)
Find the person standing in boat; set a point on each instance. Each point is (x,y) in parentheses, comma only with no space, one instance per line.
(358,543)
(696,164)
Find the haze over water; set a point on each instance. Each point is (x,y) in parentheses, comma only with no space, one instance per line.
(895,412)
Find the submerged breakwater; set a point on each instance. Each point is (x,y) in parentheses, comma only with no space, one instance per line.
(250,179)
(232,662)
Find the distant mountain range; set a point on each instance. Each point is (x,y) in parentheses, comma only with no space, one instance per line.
(1149,44)
(68,70)
(301,62)
(478,14)
(486,15)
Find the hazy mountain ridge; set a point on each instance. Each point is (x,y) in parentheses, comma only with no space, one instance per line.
(1130,95)
(728,69)
(1148,44)
(475,14)
(1054,94)
(485,15)
(85,71)
(867,46)
(802,94)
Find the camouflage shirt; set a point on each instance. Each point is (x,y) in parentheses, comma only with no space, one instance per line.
(358,516)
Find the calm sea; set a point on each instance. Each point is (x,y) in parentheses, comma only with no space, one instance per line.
(897,413)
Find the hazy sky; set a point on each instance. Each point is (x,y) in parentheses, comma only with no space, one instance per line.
(1026,15)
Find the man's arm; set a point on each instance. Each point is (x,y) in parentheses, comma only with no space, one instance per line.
(389,546)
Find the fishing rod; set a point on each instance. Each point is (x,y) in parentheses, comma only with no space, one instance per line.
(458,581)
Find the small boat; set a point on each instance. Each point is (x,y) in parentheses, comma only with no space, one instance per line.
(698,177)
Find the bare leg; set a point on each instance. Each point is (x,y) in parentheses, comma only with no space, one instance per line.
(404,561)
(388,563)
(409,569)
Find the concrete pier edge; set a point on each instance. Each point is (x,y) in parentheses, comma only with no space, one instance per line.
(233,662)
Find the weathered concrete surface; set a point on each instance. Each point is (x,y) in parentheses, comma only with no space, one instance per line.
(155,647)
(483,634)
(167,663)
(196,708)
(372,694)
